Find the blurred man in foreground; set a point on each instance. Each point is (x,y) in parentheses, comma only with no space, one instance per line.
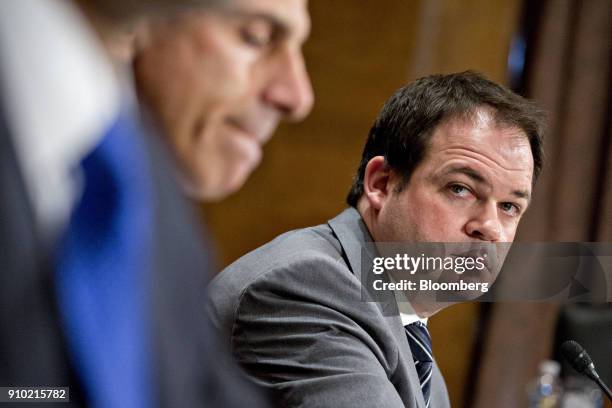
(103,271)
(218,82)
(450,158)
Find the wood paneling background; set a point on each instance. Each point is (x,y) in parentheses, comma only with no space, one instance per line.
(359,53)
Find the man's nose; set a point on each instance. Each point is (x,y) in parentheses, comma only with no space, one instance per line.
(290,90)
(485,224)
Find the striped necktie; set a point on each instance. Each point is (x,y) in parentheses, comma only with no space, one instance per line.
(420,346)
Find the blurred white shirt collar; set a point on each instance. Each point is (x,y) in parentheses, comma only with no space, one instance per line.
(60,94)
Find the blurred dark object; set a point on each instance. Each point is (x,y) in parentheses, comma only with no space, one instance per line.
(591,326)
(520,53)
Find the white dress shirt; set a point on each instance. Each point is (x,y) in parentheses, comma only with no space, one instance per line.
(407,312)
(408,315)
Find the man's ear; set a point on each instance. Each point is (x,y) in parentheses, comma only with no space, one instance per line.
(377,182)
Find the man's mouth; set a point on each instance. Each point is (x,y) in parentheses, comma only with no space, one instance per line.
(259,130)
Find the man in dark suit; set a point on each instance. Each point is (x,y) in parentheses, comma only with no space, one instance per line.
(450,159)
(100,288)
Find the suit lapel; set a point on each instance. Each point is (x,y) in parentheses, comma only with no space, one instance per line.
(357,244)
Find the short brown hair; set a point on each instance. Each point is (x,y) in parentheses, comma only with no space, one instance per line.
(406,122)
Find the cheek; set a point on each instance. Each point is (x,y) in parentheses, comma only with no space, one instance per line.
(509,231)
(224,67)
(435,222)
(191,78)
(221,79)
(436,218)
(209,88)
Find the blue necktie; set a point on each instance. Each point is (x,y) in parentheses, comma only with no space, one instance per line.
(420,346)
(102,272)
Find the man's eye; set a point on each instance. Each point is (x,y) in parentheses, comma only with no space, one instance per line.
(458,189)
(510,208)
(257,33)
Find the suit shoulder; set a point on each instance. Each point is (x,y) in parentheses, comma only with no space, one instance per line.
(290,248)
(293,256)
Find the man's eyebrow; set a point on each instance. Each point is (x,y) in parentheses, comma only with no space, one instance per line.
(522,194)
(479,178)
(468,171)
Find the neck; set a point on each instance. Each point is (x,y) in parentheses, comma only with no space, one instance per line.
(427,310)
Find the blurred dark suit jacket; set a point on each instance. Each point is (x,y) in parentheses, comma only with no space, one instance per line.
(193,369)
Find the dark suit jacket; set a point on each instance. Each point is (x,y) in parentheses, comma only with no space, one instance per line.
(294,315)
(193,369)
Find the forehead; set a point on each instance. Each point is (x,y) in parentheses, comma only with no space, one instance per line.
(482,137)
(480,142)
(292,14)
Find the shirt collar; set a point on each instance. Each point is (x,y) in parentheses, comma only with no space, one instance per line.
(407,312)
